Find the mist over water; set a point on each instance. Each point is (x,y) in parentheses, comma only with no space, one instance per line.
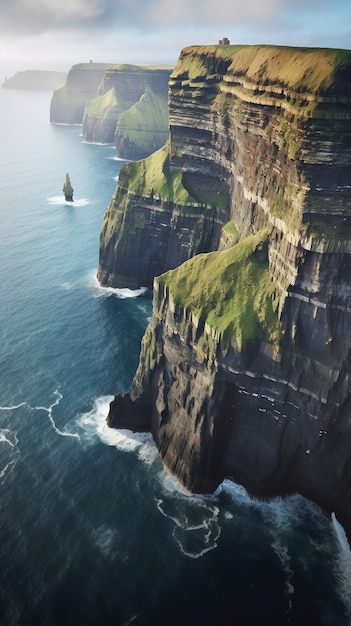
(93,530)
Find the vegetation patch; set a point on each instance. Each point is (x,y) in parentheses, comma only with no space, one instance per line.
(231,233)
(231,290)
(288,205)
(153,177)
(313,70)
(109,101)
(145,124)
(330,227)
(68,96)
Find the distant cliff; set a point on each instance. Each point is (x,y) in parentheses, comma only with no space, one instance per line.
(245,367)
(125,105)
(68,103)
(130,110)
(35,80)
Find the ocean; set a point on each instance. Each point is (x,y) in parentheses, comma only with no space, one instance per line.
(93,530)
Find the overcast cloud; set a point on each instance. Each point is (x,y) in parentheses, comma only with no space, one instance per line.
(156,30)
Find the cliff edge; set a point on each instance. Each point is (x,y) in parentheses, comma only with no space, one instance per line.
(130,110)
(245,367)
(68,103)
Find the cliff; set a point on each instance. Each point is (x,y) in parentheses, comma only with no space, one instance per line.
(68,103)
(125,105)
(245,367)
(130,110)
(35,80)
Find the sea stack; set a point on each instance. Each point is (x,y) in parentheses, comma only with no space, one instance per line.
(68,189)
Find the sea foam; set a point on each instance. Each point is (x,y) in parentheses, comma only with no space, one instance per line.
(106,292)
(60,201)
(343,564)
(9,452)
(94,427)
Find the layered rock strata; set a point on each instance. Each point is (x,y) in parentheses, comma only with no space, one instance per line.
(130,110)
(245,367)
(125,105)
(68,103)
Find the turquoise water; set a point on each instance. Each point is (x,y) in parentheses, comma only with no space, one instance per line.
(93,531)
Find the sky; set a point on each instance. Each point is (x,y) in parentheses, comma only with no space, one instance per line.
(55,34)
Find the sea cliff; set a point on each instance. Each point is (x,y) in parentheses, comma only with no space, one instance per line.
(130,110)
(125,105)
(68,103)
(244,368)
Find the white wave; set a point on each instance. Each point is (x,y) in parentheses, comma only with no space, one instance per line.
(285,559)
(9,453)
(343,564)
(106,292)
(117,158)
(5,469)
(9,437)
(279,512)
(49,409)
(196,521)
(94,425)
(171,485)
(96,143)
(60,201)
(13,407)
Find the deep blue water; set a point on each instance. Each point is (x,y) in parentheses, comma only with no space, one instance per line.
(93,531)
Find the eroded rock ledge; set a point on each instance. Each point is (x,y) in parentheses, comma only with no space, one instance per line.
(245,367)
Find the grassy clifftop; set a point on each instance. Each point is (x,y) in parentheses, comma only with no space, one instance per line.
(315,70)
(145,124)
(238,300)
(152,177)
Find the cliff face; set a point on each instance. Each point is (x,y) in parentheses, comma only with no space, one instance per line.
(130,110)
(245,367)
(68,103)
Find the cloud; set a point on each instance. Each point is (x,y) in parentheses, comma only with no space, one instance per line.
(205,12)
(156,30)
(36,16)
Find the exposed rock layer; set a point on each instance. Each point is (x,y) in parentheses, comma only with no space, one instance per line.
(68,103)
(242,378)
(130,110)
(125,105)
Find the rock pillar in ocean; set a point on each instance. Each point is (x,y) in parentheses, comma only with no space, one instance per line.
(68,189)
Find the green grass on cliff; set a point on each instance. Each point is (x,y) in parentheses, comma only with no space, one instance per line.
(231,290)
(66,95)
(313,70)
(152,176)
(107,102)
(301,69)
(201,61)
(145,120)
